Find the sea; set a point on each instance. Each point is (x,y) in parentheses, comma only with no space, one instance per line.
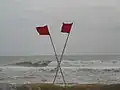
(79,69)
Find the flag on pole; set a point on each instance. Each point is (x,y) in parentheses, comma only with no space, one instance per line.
(66,27)
(43,30)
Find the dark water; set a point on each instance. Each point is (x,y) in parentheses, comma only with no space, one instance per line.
(10,59)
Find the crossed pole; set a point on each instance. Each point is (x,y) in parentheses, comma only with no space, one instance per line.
(57,60)
(66,29)
(61,57)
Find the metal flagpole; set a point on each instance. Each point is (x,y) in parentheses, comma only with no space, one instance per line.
(58,67)
(57,59)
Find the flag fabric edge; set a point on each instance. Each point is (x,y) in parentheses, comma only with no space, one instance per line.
(43,30)
(66,27)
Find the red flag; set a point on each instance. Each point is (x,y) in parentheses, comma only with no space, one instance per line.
(66,28)
(43,30)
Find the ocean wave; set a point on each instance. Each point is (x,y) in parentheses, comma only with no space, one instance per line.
(50,66)
(87,63)
(31,64)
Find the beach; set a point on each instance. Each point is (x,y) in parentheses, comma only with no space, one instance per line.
(72,87)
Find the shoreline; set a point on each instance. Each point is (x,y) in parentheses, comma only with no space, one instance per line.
(48,86)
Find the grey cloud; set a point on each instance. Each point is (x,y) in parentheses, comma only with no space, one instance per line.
(95,29)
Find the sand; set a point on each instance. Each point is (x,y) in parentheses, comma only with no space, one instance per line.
(69,87)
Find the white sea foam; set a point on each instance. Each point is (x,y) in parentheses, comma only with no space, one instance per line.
(77,71)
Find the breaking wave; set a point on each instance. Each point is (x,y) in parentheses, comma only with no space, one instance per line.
(31,64)
(77,70)
(90,64)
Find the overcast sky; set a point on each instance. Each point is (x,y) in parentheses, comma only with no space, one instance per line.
(96,27)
